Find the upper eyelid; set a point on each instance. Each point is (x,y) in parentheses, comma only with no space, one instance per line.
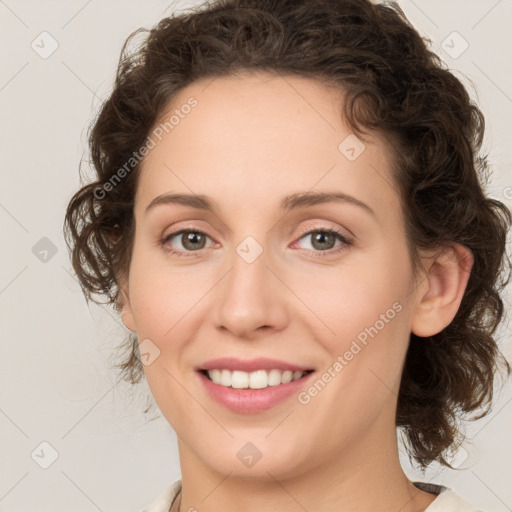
(307,231)
(302,231)
(309,226)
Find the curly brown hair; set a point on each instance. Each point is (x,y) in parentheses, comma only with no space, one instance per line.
(393,84)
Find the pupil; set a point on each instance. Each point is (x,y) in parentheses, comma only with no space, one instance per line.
(192,238)
(321,237)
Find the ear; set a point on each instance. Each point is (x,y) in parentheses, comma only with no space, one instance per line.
(442,290)
(126,310)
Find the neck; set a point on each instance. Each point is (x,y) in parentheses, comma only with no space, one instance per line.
(366,475)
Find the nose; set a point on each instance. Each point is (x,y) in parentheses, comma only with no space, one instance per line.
(251,299)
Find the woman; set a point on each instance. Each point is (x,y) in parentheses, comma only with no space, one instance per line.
(326,165)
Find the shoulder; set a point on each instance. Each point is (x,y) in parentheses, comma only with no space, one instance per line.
(163,502)
(446,501)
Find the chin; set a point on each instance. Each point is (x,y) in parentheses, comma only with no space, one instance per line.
(252,461)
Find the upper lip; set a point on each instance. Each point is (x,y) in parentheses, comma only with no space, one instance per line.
(250,365)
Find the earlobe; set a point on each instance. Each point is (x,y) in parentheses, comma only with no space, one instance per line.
(446,279)
(126,310)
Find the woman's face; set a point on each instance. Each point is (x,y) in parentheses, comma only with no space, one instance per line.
(257,276)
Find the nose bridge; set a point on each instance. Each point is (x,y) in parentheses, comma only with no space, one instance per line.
(249,276)
(250,297)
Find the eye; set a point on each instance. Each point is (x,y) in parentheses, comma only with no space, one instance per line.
(191,240)
(324,240)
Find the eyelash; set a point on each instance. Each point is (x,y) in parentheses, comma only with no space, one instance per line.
(321,254)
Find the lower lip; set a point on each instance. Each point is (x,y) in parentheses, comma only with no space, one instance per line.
(248,401)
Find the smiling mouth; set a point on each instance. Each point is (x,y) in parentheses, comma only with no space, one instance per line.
(259,379)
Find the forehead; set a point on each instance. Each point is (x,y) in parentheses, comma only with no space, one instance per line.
(261,135)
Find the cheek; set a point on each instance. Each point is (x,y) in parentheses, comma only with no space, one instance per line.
(348,299)
(168,304)
(161,294)
(361,313)
(364,330)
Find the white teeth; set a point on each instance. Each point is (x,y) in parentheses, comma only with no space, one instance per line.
(274,377)
(225,378)
(259,379)
(239,380)
(287,377)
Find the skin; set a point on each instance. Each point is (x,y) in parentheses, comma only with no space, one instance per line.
(251,140)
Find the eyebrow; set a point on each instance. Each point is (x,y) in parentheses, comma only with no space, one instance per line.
(288,203)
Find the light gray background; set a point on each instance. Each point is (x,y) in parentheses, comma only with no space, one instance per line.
(56,385)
